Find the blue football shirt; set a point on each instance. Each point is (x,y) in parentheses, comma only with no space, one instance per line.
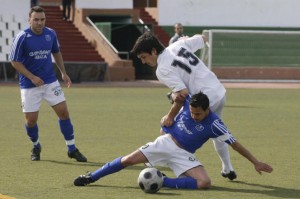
(191,135)
(34,52)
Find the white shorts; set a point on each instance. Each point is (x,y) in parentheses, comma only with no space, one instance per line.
(164,152)
(32,97)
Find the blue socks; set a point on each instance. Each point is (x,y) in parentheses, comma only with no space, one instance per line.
(180,183)
(33,133)
(109,168)
(66,128)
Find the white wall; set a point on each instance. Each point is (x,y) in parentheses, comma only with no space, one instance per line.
(105,4)
(258,13)
(19,8)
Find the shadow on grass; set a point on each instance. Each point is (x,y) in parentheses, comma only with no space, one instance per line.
(240,106)
(160,193)
(95,164)
(273,191)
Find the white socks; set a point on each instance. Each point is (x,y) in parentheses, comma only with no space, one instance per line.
(223,152)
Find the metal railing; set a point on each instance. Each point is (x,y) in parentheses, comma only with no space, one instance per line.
(126,53)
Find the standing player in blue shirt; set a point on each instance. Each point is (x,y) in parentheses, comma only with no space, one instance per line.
(192,127)
(31,57)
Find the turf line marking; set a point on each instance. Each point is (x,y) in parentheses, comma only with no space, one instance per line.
(5,197)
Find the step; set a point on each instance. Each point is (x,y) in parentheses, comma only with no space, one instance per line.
(73,45)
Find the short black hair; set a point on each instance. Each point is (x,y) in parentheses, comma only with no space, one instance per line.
(199,100)
(36,9)
(145,43)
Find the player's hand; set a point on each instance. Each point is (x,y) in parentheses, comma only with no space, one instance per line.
(166,121)
(37,81)
(184,37)
(67,80)
(260,166)
(179,97)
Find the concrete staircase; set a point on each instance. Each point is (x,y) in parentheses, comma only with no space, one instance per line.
(73,45)
(161,34)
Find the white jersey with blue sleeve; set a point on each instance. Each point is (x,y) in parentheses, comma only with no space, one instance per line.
(191,135)
(34,52)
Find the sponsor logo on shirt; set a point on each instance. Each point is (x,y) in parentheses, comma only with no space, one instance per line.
(41,54)
(48,37)
(199,127)
(182,127)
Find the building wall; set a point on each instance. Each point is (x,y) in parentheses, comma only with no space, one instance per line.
(253,13)
(104,4)
(14,8)
(247,13)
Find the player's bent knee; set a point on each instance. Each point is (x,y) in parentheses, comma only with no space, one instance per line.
(203,184)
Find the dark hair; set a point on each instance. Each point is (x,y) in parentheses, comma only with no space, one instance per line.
(145,43)
(36,9)
(178,24)
(199,100)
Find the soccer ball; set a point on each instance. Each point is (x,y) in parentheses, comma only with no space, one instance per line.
(150,180)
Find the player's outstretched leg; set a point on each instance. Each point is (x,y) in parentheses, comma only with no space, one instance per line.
(108,168)
(83,180)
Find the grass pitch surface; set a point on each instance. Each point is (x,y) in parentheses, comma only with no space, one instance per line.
(110,122)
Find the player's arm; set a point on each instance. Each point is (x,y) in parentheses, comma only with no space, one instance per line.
(205,39)
(60,64)
(23,70)
(179,99)
(259,166)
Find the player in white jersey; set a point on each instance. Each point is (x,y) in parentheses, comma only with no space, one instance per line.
(31,57)
(193,126)
(184,73)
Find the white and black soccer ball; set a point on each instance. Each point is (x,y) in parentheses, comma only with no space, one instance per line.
(150,180)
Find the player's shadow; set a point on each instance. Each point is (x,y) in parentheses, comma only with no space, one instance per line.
(94,164)
(88,163)
(272,191)
(240,106)
(162,192)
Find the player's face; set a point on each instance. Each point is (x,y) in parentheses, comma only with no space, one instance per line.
(178,29)
(149,59)
(37,22)
(198,114)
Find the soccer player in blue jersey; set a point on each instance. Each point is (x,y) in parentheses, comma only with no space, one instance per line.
(31,57)
(184,73)
(175,148)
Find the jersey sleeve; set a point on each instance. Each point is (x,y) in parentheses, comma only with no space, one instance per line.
(222,133)
(171,80)
(55,47)
(168,75)
(194,43)
(17,50)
